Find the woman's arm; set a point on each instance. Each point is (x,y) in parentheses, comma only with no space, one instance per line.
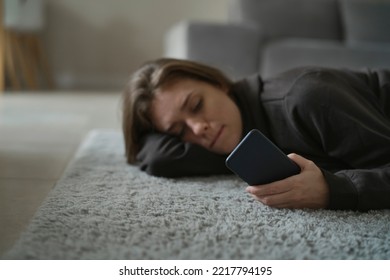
(166,156)
(353,126)
(359,189)
(361,129)
(349,119)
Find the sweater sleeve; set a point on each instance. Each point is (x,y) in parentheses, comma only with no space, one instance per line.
(166,156)
(353,128)
(360,189)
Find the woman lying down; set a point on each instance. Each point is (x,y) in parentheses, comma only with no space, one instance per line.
(182,118)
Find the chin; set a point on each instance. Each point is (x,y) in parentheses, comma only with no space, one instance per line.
(230,147)
(221,150)
(226,146)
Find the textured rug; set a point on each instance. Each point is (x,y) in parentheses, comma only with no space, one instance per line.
(105,209)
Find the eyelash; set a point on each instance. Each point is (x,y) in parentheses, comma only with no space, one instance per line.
(198,106)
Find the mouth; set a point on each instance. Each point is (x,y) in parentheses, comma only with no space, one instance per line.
(216,137)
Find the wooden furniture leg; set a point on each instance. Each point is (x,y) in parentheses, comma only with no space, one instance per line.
(10,66)
(41,60)
(45,66)
(27,61)
(2,59)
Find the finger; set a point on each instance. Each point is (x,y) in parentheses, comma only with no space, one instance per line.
(269,200)
(270,189)
(282,200)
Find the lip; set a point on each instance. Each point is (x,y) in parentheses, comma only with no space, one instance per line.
(217,137)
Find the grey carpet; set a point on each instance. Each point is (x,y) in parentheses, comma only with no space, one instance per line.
(105,209)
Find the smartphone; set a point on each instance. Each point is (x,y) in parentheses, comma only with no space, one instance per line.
(258,161)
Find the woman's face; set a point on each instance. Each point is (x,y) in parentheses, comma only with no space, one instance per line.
(199,113)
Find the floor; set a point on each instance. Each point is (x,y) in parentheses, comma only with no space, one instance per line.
(39,134)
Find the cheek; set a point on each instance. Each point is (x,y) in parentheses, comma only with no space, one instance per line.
(158,114)
(235,122)
(230,115)
(235,138)
(233,115)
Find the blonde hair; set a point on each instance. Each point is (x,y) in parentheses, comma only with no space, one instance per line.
(140,90)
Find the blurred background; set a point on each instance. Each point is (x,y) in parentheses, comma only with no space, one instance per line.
(95,44)
(63,65)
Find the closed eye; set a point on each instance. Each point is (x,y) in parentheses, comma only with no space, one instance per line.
(198,106)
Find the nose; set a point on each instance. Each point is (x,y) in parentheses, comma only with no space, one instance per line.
(198,126)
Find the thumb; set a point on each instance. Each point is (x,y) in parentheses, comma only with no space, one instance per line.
(301,161)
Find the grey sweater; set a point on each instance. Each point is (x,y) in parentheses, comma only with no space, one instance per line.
(340,119)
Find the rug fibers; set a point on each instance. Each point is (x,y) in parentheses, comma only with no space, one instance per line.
(103,208)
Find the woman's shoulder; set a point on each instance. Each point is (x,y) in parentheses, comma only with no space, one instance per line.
(297,83)
(311,86)
(319,88)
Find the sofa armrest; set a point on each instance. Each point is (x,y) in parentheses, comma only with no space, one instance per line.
(233,48)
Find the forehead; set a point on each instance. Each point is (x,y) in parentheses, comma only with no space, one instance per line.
(178,85)
(167,101)
(171,94)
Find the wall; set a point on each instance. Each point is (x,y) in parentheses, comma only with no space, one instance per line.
(96,44)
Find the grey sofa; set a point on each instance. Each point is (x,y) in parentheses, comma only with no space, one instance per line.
(270,36)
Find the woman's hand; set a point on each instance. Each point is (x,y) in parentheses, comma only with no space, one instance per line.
(308,189)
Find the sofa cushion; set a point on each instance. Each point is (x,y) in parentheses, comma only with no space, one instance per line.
(292,18)
(285,54)
(366,21)
(232,48)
